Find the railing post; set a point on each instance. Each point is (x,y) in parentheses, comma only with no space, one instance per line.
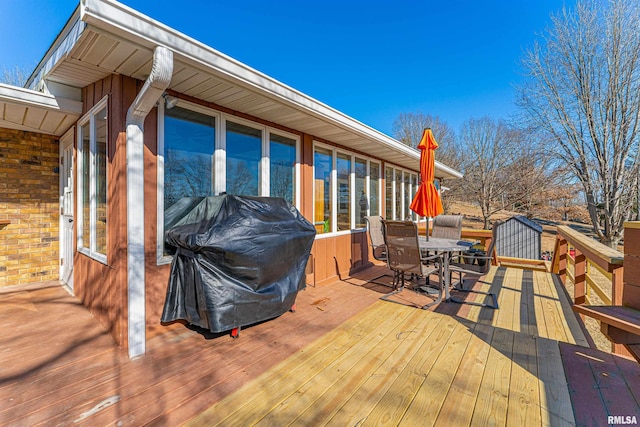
(617,285)
(629,293)
(559,265)
(579,277)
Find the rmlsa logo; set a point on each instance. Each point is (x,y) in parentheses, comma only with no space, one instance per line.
(622,419)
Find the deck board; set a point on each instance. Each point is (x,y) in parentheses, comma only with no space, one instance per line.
(369,394)
(493,396)
(344,358)
(459,405)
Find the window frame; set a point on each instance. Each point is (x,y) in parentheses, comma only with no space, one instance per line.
(89,117)
(335,151)
(414,183)
(219,161)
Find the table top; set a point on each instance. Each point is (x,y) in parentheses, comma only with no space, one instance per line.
(448,245)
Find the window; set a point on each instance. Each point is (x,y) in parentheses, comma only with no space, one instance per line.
(343,167)
(322,190)
(362,201)
(188,148)
(401,186)
(407,214)
(92,182)
(244,153)
(388,186)
(189,142)
(352,182)
(374,188)
(282,172)
(398,195)
(197,158)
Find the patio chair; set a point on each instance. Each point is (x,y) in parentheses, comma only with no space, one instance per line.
(375,226)
(475,264)
(405,257)
(447,227)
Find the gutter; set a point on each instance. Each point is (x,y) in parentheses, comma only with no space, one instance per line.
(154,86)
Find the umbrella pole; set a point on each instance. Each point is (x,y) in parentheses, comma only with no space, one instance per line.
(427,228)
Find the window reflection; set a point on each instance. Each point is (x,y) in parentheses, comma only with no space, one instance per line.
(244,151)
(323,164)
(282,167)
(362,201)
(388,176)
(189,142)
(398,192)
(101,180)
(407,195)
(343,166)
(374,189)
(85,156)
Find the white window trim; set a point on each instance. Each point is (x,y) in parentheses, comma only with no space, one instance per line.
(334,178)
(380,181)
(219,162)
(89,117)
(293,137)
(404,210)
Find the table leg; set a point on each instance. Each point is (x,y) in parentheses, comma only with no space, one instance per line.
(447,282)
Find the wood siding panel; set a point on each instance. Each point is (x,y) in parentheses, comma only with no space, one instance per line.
(103,288)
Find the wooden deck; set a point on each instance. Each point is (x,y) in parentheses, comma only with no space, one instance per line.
(344,358)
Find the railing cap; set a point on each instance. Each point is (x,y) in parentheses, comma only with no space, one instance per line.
(590,247)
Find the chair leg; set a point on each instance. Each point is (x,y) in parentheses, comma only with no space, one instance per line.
(398,286)
(440,289)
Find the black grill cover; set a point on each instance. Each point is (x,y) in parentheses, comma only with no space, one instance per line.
(238,261)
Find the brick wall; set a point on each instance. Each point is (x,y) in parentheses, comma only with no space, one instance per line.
(29,201)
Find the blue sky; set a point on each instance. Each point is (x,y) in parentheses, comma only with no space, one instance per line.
(369,59)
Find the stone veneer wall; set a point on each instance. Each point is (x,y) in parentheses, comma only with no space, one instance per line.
(29,250)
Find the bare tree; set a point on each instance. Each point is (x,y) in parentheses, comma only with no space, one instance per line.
(15,76)
(584,92)
(502,167)
(408,128)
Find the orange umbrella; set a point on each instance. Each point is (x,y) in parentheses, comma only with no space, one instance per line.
(427,200)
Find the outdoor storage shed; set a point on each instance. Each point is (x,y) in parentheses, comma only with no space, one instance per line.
(519,237)
(238,260)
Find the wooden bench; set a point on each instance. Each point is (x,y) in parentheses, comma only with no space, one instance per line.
(620,324)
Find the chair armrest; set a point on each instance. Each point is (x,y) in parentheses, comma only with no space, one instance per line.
(431,257)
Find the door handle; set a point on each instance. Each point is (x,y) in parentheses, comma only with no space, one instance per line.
(70,220)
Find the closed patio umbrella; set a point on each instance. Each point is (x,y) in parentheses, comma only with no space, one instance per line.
(427,201)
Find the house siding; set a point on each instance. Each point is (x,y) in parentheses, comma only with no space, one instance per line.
(102,288)
(29,181)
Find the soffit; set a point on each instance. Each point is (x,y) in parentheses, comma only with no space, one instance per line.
(32,111)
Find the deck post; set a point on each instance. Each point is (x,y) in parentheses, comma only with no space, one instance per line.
(579,278)
(559,265)
(625,281)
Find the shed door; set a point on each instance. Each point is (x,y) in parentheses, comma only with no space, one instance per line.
(66,209)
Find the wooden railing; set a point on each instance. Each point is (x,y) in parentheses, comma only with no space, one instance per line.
(574,257)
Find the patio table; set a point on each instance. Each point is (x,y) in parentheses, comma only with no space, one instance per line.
(448,246)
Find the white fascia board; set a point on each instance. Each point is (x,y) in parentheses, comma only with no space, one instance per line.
(444,171)
(62,45)
(31,98)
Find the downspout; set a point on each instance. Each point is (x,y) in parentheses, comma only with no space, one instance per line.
(154,86)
